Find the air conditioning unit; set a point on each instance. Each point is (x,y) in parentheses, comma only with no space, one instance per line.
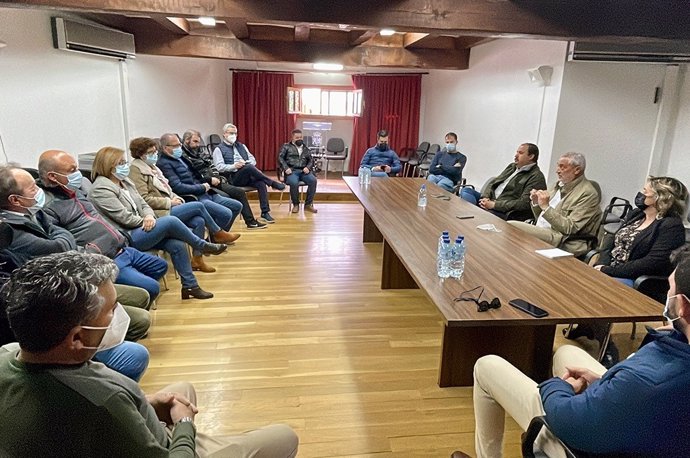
(93,39)
(667,52)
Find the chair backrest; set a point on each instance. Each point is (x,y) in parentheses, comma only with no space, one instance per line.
(423,148)
(429,156)
(213,141)
(433,149)
(33,172)
(335,145)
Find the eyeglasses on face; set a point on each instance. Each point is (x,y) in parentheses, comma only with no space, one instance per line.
(482,306)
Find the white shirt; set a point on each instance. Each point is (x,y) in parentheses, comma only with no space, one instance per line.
(555,199)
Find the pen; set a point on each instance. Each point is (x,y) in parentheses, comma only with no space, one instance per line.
(465,217)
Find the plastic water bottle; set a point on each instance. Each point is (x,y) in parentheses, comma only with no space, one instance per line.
(367,175)
(457,263)
(361,176)
(421,198)
(444,235)
(443,259)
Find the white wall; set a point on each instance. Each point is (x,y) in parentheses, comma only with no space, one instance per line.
(607,112)
(53,98)
(492,106)
(679,157)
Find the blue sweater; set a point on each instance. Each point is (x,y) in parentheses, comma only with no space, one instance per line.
(447,162)
(373,157)
(640,405)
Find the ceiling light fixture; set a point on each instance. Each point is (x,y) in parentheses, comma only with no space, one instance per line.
(387,32)
(207,21)
(328,67)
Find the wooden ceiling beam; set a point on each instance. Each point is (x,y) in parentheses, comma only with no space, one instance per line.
(469,42)
(410,38)
(177,25)
(357,37)
(301,33)
(238,27)
(665,19)
(162,43)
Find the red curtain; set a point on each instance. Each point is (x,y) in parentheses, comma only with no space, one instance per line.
(391,103)
(259,110)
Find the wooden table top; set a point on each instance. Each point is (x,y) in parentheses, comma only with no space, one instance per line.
(504,263)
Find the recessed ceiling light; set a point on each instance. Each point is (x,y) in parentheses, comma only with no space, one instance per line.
(387,32)
(207,21)
(327,67)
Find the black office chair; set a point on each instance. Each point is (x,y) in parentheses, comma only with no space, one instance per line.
(213,141)
(411,157)
(337,147)
(280,174)
(33,172)
(423,168)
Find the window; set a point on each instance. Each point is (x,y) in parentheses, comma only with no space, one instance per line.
(325,102)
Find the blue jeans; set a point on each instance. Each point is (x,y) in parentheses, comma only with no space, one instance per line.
(170,234)
(224,210)
(129,359)
(442,181)
(195,216)
(140,269)
(626,281)
(309,179)
(470,195)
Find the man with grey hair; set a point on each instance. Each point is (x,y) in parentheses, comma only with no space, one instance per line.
(62,308)
(568,214)
(238,164)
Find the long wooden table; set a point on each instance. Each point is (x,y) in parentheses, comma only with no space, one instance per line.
(504,263)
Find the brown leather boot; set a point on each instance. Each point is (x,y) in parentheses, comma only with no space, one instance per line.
(225,237)
(199,264)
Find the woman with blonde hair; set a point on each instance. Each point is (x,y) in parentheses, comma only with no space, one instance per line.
(117,199)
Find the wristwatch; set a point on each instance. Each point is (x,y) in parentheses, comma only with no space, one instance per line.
(185,420)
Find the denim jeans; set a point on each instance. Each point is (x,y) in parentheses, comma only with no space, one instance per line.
(140,269)
(379,174)
(294,178)
(129,359)
(251,176)
(470,195)
(223,209)
(626,281)
(195,216)
(170,234)
(442,181)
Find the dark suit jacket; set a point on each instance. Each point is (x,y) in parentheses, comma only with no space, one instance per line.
(651,249)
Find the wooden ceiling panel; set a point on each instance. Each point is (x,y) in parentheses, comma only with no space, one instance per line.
(330,36)
(271,32)
(433,42)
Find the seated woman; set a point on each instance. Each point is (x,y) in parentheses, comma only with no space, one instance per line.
(643,244)
(117,199)
(155,190)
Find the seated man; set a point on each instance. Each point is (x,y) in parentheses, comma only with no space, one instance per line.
(185,180)
(510,191)
(202,163)
(297,164)
(594,410)
(235,161)
(570,209)
(33,234)
(62,308)
(446,167)
(382,160)
(68,205)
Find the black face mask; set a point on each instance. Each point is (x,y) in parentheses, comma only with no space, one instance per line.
(299,143)
(382,146)
(639,201)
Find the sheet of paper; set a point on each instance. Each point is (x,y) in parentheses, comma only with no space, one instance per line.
(554,253)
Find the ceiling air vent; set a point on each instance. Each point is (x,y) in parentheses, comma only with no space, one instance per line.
(647,52)
(93,39)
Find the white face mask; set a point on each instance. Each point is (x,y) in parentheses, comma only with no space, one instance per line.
(231,138)
(115,332)
(667,308)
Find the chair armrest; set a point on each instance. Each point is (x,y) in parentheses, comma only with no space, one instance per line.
(654,286)
(529,436)
(189,198)
(590,254)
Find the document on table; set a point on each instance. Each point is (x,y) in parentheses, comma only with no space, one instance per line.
(554,253)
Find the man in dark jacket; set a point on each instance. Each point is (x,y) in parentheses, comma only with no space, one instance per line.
(446,167)
(639,406)
(508,195)
(381,159)
(297,164)
(202,164)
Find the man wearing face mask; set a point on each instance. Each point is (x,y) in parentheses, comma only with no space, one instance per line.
(639,407)
(297,164)
(382,160)
(446,166)
(236,162)
(34,235)
(55,401)
(68,205)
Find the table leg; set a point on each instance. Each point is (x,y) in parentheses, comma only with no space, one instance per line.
(529,348)
(394,275)
(370,232)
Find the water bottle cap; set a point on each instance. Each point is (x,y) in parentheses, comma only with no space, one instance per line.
(445,232)
(424,186)
(460,238)
(445,240)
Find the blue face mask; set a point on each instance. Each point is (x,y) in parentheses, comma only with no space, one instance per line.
(151,159)
(450,147)
(177,152)
(74,179)
(39,200)
(121,171)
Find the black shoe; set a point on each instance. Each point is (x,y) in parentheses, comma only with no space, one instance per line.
(581,330)
(196,292)
(214,248)
(256,225)
(268,218)
(611,356)
(278,185)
